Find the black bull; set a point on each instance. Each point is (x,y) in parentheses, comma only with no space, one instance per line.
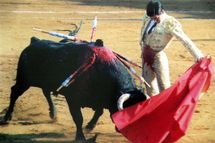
(46,64)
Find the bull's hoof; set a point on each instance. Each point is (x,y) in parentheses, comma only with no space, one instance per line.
(7,117)
(89,127)
(3,122)
(53,116)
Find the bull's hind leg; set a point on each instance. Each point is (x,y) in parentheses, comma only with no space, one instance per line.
(16,91)
(52,109)
(91,125)
(77,118)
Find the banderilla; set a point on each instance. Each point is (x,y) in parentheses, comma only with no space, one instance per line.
(56,34)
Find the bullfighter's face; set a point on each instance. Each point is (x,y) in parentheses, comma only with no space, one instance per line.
(157,18)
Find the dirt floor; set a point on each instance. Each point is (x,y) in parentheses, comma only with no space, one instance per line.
(119,24)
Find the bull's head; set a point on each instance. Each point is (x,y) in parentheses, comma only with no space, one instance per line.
(131,98)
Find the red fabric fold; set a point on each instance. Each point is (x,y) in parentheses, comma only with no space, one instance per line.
(165,117)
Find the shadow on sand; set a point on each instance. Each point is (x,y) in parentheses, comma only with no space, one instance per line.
(31,138)
(39,138)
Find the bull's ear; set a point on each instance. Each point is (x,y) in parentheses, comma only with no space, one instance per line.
(99,43)
(121,100)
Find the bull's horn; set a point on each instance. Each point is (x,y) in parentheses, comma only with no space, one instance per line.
(121,100)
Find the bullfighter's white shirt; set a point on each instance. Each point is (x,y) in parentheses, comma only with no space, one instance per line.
(164,32)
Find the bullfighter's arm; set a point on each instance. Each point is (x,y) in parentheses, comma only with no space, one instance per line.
(176,30)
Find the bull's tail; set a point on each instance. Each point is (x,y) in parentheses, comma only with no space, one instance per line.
(21,68)
(18,89)
(23,63)
(34,39)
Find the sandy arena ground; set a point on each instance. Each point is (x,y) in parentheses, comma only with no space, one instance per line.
(119,24)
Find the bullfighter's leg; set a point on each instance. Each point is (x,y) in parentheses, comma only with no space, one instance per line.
(52,109)
(161,68)
(17,90)
(150,77)
(92,123)
(77,118)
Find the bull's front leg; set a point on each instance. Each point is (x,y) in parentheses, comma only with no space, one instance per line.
(77,118)
(92,123)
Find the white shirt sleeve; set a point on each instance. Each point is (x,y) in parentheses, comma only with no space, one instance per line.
(175,29)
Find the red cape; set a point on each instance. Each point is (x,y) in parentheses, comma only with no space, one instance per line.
(165,117)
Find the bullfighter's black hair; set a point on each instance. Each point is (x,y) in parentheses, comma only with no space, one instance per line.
(154,7)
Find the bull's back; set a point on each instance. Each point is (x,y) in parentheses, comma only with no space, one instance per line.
(46,62)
